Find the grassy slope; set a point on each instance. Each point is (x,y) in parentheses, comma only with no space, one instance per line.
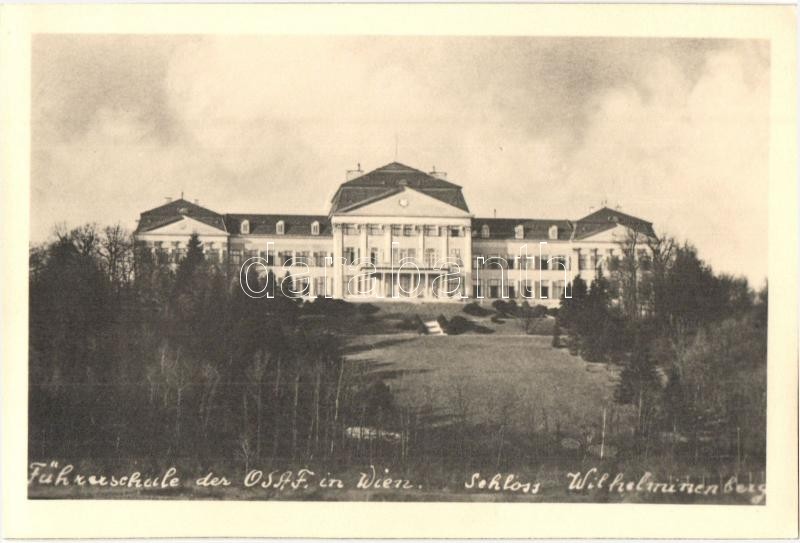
(491,378)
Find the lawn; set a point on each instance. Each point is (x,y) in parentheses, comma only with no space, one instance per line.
(489,379)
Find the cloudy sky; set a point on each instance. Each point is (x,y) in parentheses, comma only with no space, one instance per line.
(674,131)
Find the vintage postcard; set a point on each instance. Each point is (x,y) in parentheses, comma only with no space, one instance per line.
(297,260)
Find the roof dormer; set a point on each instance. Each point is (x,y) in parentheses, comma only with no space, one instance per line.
(552,232)
(280,228)
(315,228)
(485,231)
(519,232)
(244,227)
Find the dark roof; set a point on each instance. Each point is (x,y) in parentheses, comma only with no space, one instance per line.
(606,218)
(294,225)
(532,228)
(391,179)
(175,211)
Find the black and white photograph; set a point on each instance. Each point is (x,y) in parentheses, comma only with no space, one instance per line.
(361,267)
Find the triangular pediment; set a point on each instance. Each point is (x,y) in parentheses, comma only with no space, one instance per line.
(613,234)
(187,226)
(407,202)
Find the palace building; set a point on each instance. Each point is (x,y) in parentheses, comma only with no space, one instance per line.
(399,233)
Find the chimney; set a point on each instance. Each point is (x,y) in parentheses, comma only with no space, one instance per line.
(618,207)
(591,209)
(168,198)
(495,212)
(352,174)
(196,202)
(438,175)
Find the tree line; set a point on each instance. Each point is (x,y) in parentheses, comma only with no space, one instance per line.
(692,346)
(133,358)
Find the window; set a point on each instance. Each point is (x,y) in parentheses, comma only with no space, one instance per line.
(455,232)
(543,262)
(319,286)
(280,228)
(236,257)
(519,232)
(374,256)
(485,231)
(455,254)
(375,230)
(284,258)
(350,230)
(397,230)
(408,230)
(432,231)
(581,260)
(558,262)
(269,256)
(494,288)
(319,260)
(558,289)
(544,289)
(301,286)
(527,289)
(349,255)
(244,228)
(553,232)
(430,257)
(494,262)
(512,292)
(303,257)
(315,228)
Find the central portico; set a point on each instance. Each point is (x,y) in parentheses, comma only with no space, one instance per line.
(399,232)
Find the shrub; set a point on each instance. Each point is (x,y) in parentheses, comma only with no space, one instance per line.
(412,323)
(329,306)
(459,325)
(539,311)
(474,309)
(506,308)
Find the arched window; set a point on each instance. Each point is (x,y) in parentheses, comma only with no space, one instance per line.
(244,228)
(519,232)
(280,228)
(553,232)
(485,231)
(315,228)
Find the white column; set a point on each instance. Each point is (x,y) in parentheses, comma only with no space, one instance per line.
(363,249)
(468,260)
(338,240)
(421,245)
(387,244)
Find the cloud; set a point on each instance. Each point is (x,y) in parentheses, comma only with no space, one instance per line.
(675,130)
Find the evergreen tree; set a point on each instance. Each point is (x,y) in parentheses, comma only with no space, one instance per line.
(188,299)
